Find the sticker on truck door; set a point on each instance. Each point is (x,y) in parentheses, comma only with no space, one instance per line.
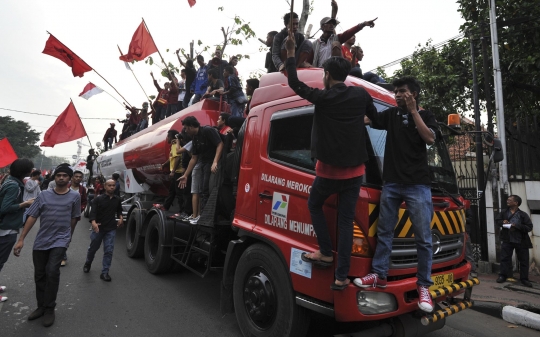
(280,205)
(297,265)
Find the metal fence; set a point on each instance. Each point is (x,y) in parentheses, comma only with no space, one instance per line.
(523,148)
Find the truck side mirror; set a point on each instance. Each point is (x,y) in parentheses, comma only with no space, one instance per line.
(498,154)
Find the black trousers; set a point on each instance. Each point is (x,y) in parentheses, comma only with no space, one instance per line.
(47,275)
(522,254)
(174,191)
(188,201)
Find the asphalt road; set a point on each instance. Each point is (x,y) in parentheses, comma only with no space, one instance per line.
(137,303)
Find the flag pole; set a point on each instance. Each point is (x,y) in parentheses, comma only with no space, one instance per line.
(116,99)
(88,137)
(162,60)
(94,71)
(149,101)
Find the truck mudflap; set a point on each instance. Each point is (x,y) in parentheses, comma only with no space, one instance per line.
(466,303)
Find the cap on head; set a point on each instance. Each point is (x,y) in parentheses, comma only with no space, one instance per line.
(112,124)
(327,19)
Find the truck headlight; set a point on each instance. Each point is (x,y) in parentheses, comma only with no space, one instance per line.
(371,303)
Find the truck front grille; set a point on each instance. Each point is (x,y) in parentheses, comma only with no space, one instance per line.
(404,252)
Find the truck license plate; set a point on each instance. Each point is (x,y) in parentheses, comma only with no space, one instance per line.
(441,280)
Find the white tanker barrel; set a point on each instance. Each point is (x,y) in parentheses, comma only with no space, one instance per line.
(145,152)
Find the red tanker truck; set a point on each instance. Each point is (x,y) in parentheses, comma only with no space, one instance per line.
(257,246)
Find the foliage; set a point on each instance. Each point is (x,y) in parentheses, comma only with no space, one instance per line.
(41,161)
(445,73)
(20,135)
(518,23)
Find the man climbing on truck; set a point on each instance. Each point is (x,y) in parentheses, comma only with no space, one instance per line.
(338,121)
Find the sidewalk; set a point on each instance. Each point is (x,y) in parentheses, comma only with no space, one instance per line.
(490,297)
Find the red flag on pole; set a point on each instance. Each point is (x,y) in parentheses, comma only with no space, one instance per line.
(7,154)
(141,46)
(191,2)
(67,127)
(57,49)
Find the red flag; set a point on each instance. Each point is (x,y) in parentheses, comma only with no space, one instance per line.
(56,49)
(191,2)
(7,154)
(67,127)
(141,46)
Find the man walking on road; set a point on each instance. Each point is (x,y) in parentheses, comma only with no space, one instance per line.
(104,224)
(58,211)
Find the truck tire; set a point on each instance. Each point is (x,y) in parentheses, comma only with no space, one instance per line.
(263,296)
(134,240)
(157,257)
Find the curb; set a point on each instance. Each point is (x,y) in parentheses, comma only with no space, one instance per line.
(522,317)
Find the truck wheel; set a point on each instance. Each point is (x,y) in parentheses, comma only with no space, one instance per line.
(134,241)
(263,296)
(158,258)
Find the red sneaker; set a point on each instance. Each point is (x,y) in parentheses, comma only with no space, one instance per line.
(159,206)
(370,280)
(424,298)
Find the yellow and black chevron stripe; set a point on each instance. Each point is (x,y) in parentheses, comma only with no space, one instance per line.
(446,222)
(454,287)
(443,313)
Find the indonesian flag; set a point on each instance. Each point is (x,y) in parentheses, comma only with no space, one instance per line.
(80,165)
(141,46)
(90,90)
(191,2)
(67,127)
(7,154)
(56,49)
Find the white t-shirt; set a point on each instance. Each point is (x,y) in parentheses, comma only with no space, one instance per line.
(182,94)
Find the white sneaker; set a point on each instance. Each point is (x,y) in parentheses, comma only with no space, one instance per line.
(194,220)
(2,289)
(3,298)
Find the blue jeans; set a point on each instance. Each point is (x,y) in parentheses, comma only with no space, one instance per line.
(108,143)
(6,244)
(108,248)
(237,109)
(47,275)
(172,108)
(420,207)
(348,191)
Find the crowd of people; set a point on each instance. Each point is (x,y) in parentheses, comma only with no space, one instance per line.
(219,79)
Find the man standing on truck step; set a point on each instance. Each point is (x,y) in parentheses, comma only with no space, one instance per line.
(406,178)
(58,210)
(515,226)
(207,147)
(338,126)
(105,209)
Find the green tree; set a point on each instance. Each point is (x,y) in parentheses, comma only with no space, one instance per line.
(445,72)
(21,136)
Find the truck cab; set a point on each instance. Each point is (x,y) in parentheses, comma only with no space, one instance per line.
(257,246)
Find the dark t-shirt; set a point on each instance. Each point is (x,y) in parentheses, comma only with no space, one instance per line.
(205,144)
(104,210)
(405,156)
(190,77)
(218,84)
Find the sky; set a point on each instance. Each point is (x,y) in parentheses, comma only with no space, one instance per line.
(38,83)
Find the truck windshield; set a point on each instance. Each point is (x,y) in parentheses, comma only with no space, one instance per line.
(441,170)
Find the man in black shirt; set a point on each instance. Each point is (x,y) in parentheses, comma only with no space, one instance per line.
(515,227)
(339,121)
(215,85)
(303,47)
(406,178)
(207,148)
(268,63)
(103,218)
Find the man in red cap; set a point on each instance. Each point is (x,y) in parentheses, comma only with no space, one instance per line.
(110,134)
